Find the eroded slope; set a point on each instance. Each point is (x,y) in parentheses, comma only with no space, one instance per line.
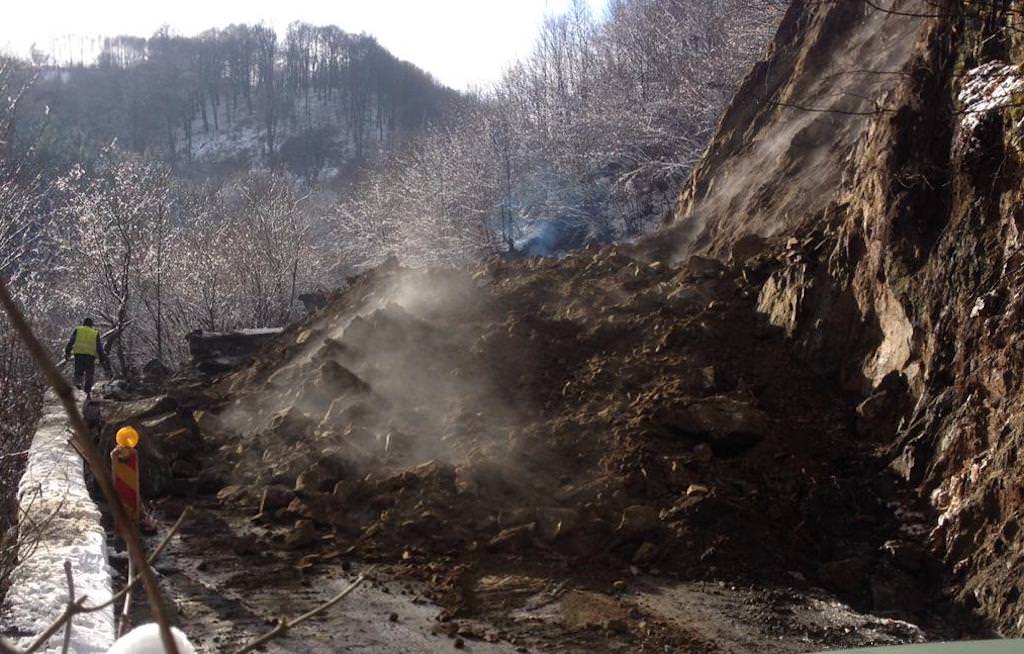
(902,273)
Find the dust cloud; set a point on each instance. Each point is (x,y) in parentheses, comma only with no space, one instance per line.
(397,380)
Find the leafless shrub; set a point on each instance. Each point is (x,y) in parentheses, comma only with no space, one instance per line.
(20,385)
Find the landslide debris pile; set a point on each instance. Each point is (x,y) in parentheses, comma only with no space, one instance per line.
(604,409)
(641,406)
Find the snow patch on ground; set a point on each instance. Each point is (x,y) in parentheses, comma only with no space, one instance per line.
(245,136)
(241,140)
(146,640)
(59,522)
(986,88)
(261,331)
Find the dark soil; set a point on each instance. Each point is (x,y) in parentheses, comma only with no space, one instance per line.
(571,427)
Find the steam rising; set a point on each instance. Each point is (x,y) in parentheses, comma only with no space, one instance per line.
(396,381)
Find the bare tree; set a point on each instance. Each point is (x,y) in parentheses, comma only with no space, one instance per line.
(109,241)
(595,130)
(22,258)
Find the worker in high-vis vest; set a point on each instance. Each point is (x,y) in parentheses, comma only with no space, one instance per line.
(87,346)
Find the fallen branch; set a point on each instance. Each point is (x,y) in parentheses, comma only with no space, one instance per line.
(95,462)
(134,580)
(55,626)
(71,602)
(284,625)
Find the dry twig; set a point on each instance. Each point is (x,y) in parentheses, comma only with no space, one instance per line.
(71,602)
(283,625)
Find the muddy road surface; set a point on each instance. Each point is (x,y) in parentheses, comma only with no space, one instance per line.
(227,592)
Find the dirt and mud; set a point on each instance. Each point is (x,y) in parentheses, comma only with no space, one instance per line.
(603,451)
(226,593)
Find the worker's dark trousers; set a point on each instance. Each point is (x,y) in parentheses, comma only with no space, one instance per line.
(85,366)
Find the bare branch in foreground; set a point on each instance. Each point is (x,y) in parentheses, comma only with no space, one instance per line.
(94,461)
(75,607)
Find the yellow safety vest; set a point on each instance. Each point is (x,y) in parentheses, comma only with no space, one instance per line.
(85,341)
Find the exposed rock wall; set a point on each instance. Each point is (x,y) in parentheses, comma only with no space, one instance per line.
(896,216)
(778,155)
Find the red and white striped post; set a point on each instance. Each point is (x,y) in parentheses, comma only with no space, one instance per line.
(124,465)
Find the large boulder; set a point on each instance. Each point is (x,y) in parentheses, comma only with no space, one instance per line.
(638,520)
(168,436)
(313,301)
(291,426)
(217,352)
(554,523)
(731,426)
(704,267)
(113,412)
(155,373)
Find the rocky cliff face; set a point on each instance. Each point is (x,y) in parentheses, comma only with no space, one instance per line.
(878,150)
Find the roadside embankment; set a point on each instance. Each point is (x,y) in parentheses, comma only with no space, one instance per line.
(58,521)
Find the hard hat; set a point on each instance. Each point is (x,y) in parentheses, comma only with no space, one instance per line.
(127,436)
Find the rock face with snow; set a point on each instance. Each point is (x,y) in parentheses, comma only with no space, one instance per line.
(58,522)
(882,150)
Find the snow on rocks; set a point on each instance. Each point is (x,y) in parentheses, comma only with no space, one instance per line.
(986,88)
(58,522)
(145,639)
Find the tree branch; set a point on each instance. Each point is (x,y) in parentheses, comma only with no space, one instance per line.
(284,625)
(94,460)
(71,603)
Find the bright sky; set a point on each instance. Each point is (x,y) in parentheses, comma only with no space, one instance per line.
(461,42)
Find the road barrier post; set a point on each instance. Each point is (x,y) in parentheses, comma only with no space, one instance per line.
(124,465)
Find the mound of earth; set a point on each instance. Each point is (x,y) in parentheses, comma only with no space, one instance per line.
(598,413)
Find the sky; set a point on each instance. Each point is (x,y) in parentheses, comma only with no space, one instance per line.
(463,43)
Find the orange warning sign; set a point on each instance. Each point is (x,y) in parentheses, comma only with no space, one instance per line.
(124,464)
